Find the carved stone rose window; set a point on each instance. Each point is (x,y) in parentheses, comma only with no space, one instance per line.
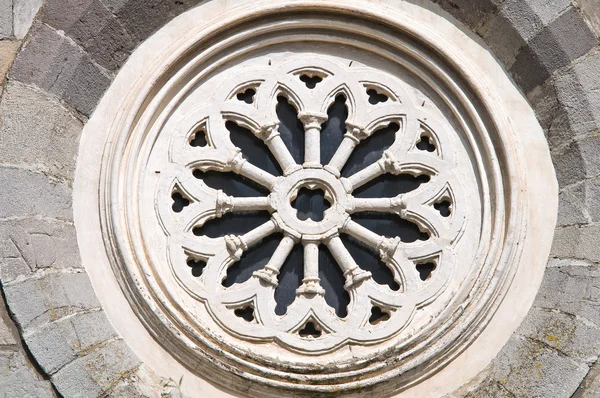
(417,149)
(315,198)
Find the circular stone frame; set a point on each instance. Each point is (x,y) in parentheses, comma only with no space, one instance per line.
(530,176)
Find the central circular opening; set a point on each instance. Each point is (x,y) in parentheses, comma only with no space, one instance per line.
(311,203)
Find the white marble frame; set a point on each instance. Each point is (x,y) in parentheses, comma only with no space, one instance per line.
(534,178)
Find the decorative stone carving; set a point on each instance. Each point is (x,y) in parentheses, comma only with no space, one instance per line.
(482,171)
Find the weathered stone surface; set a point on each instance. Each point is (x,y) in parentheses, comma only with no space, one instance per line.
(528,368)
(577,242)
(591,13)
(46,140)
(28,245)
(572,205)
(27,193)
(59,343)
(592,194)
(556,45)
(93,27)
(590,387)
(468,12)
(490,389)
(19,380)
(55,64)
(7,329)
(569,334)
(141,18)
(572,290)
(8,50)
(24,12)
(97,372)
(569,165)
(38,301)
(578,91)
(517,22)
(6,18)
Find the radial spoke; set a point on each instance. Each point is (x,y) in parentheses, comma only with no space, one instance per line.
(383,205)
(272,139)
(257,175)
(352,272)
(237,245)
(271,270)
(312,138)
(351,139)
(311,281)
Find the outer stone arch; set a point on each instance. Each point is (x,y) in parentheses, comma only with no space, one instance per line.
(523,174)
(570,128)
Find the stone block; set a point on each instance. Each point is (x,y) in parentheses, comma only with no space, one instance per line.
(47,140)
(568,334)
(590,387)
(569,165)
(26,193)
(6,19)
(8,51)
(93,27)
(40,300)
(18,378)
(489,389)
(552,116)
(24,12)
(53,63)
(572,205)
(591,13)
(572,290)
(471,13)
(517,22)
(528,368)
(555,46)
(577,242)
(96,373)
(7,329)
(141,18)
(59,343)
(578,91)
(29,245)
(592,194)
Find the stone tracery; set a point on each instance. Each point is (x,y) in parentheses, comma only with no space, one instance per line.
(311,86)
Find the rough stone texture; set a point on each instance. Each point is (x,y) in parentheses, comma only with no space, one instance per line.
(471,13)
(55,64)
(141,18)
(27,193)
(590,387)
(24,11)
(93,27)
(591,12)
(52,135)
(528,368)
(40,300)
(8,51)
(6,18)
(59,343)
(572,206)
(18,379)
(566,38)
(537,38)
(32,244)
(97,372)
(517,23)
(578,91)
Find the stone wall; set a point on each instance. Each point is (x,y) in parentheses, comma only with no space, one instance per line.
(65,62)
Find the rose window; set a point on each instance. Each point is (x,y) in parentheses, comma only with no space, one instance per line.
(314,198)
(276,135)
